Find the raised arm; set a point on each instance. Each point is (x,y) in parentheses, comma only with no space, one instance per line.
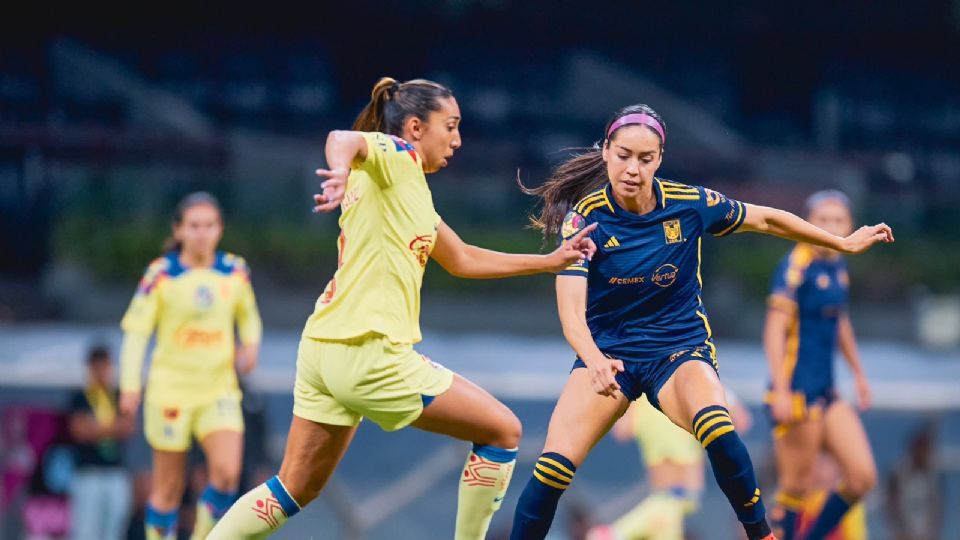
(572,305)
(848,347)
(764,219)
(464,260)
(344,150)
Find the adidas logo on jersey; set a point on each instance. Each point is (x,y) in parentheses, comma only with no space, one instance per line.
(612,242)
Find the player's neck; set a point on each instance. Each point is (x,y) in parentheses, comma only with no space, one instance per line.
(196,260)
(643,203)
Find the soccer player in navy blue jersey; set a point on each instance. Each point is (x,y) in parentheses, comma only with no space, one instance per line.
(807,319)
(633,313)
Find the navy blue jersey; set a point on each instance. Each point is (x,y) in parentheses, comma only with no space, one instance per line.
(814,291)
(643,284)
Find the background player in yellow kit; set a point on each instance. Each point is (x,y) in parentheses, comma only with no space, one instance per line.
(198,300)
(356,356)
(674,462)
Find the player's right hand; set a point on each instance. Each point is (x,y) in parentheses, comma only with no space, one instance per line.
(782,406)
(333,189)
(603,373)
(129,403)
(866,236)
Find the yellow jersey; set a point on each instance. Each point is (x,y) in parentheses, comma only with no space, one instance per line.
(388,227)
(195,312)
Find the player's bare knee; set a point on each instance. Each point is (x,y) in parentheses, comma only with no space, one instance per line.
(225,477)
(860,481)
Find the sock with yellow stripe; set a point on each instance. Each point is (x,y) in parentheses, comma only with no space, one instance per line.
(785,515)
(213,504)
(257,514)
(732,468)
(160,525)
(830,516)
(552,475)
(483,484)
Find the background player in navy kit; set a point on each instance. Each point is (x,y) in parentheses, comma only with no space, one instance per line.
(806,320)
(634,316)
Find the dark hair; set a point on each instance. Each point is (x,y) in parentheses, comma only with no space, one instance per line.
(198,198)
(392,102)
(819,197)
(576,177)
(98,353)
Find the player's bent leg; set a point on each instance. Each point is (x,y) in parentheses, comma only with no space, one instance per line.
(693,398)
(467,412)
(580,418)
(166,492)
(796,448)
(847,441)
(223,451)
(313,452)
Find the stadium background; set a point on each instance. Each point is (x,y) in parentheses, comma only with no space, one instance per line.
(108,117)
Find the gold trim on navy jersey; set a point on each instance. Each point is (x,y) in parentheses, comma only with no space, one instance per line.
(593,201)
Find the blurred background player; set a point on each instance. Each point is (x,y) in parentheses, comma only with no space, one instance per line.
(198,300)
(807,319)
(356,355)
(674,462)
(853,525)
(634,314)
(100,489)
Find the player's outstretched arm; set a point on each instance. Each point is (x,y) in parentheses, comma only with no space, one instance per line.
(572,305)
(781,223)
(344,149)
(464,260)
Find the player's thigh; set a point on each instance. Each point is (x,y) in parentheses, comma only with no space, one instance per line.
(581,417)
(693,386)
(847,441)
(312,453)
(467,412)
(223,451)
(796,449)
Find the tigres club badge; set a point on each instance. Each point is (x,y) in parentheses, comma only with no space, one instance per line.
(671,231)
(571,224)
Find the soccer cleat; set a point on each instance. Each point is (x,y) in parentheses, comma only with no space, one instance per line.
(770,537)
(601,532)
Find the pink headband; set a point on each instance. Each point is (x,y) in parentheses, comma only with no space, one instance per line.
(644,119)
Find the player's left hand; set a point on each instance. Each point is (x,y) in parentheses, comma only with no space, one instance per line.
(247,358)
(577,247)
(333,188)
(864,397)
(864,237)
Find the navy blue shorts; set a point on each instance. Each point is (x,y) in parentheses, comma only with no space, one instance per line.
(806,405)
(648,376)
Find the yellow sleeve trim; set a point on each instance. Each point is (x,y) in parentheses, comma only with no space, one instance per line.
(736,223)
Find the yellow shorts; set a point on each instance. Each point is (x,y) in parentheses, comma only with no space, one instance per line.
(340,382)
(170,427)
(660,439)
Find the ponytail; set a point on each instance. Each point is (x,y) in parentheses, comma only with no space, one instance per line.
(585,171)
(571,181)
(194,199)
(392,102)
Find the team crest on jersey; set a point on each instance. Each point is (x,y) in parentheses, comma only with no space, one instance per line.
(203,297)
(671,231)
(571,224)
(665,276)
(421,246)
(713,198)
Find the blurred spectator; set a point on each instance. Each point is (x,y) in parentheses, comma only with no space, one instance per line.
(916,490)
(100,494)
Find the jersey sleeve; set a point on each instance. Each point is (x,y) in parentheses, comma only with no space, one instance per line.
(138,324)
(385,156)
(721,215)
(783,287)
(249,325)
(572,224)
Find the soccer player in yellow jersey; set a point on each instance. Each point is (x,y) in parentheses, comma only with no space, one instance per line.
(356,356)
(197,300)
